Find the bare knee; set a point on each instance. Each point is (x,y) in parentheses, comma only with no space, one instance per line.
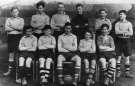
(112,62)
(86,62)
(21,61)
(103,62)
(60,60)
(28,62)
(77,60)
(93,63)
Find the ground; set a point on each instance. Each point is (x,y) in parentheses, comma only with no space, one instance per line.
(10,81)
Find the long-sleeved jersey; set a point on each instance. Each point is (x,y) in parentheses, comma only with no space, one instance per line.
(67,43)
(28,43)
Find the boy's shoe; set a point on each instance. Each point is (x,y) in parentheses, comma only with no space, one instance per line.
(89,81)
(87,70)
(24,82)
(111,81)
(7,73)
(44,80)
(18,81)
(128,75)
(106,81)
(75,81)
(118,74)
(60,80)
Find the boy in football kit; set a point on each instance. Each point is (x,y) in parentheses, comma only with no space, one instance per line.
(59,19)
(14,28)
(106,54)
(46,46)
(102,20)
(67,47)
(123,31)
(27,48)
(40,19)
(87,48)
(79,22)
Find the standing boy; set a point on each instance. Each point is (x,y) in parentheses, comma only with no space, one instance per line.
(123,31)
(14,28)
(80,22)
(39,20)
(102,20)
(59,19)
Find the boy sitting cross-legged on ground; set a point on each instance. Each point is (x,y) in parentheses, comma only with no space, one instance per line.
(106,54)
(27,47)
(87,49)
(46,46)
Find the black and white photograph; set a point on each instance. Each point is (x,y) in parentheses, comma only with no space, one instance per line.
(67,43)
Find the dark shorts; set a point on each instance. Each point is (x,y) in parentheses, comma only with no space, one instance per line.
(107,55)
(89,56)
(26,54)
(68,55)
(46,53)
(13,42)
(123,45)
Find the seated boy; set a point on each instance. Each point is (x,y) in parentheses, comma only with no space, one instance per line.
(106,53)
(27,47)
(67,47)
(46,45)
(87,49)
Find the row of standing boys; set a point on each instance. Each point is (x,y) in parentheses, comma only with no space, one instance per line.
(94,45)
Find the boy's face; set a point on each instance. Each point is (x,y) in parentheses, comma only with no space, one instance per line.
(15,12)
(40,8)
(61,8)
(88,35)
(29,31)
(103,14)
(122,16)
(68,29)
(47,32)
(105,31)
(79,9)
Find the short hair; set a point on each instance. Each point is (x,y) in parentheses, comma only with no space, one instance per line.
(79,5)
(27,28)
(14,8)
(41,3)
(67,24)
(60,3)
(104,25)
(123,11)
(103,9)
(47,27)
(89,31)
